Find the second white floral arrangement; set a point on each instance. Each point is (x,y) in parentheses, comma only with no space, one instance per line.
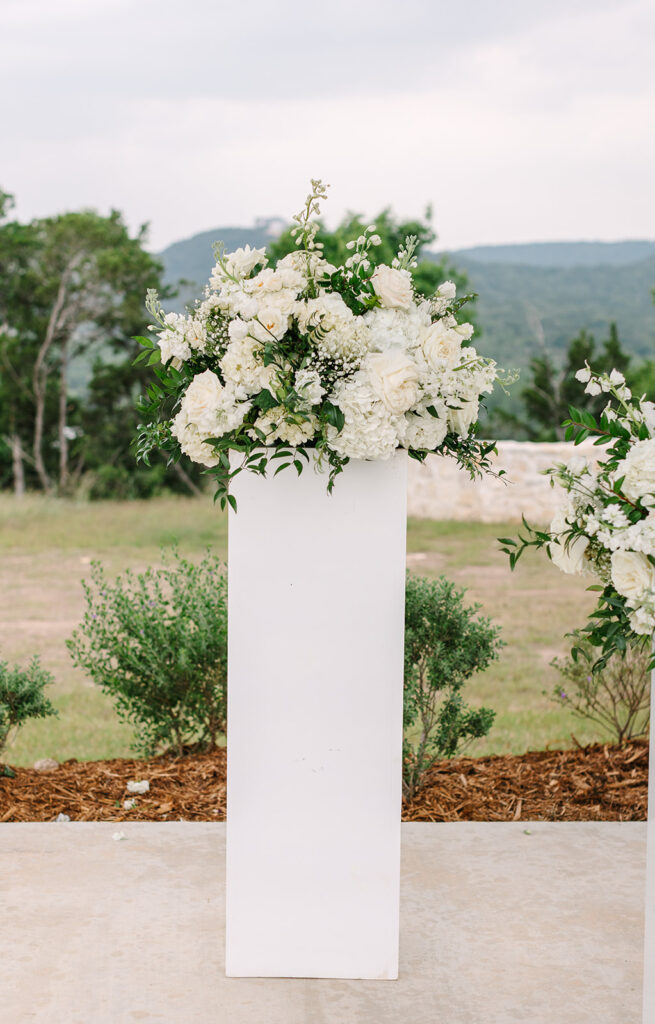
(605,527)
(348,361)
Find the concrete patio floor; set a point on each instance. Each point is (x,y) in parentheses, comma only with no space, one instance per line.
(497,927)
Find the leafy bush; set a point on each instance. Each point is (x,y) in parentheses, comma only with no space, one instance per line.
(445,643)
(22,696)
(157,644)
(616,697)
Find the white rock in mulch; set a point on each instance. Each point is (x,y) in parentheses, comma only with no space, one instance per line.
(62,817)
(138,787)
(129,804)
(46,764)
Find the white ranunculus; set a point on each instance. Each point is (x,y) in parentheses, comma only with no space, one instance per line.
(570,557)
(442,346)
(639,469)
(271,323)
(633,575)
(394,378)
(201,401)
(393,287)
(460,420)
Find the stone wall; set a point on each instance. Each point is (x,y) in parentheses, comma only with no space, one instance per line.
(438,489)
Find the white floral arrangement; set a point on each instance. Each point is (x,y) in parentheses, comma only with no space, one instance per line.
(349,361)
(605,527)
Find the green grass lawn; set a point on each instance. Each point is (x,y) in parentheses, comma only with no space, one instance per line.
(46,547)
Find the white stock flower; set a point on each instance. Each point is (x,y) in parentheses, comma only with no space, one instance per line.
(393,287)
(394,379)
(638,470)
(583,375)
(276,427)
(633,576)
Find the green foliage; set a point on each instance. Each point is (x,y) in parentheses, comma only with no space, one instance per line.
(157,644)
(446,642)
(617,697)
(547,397)
(428,274)
(22,696)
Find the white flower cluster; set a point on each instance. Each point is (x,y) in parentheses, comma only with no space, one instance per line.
(303,351)
(606,525)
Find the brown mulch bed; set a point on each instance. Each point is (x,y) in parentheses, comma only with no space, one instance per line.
(596,783)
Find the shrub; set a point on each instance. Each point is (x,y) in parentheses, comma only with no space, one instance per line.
(22,697)
(157,644)
(617,697)
(446,641)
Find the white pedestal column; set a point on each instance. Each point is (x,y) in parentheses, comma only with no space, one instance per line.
(316,622)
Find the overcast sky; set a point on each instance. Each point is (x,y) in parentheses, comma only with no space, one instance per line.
(519,120)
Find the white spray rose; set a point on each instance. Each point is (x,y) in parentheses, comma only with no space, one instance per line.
(271,323)
(633,575)
(394,379)
(393,287)
(639,469)
(570,557)
(442,346)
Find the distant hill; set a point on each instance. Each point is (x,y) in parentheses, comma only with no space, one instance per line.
(531,297)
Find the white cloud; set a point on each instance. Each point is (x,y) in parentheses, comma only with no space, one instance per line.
(530,125)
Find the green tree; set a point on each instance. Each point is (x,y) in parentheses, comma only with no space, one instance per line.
(71,285)
(552,388)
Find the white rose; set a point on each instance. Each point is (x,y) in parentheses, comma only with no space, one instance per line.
(639,469)
(202,400)
(570,557)
(447,290)
(394,379)
(271,322)
(460,420)
(442,346)
(393,287)
(632,575)
(238,330)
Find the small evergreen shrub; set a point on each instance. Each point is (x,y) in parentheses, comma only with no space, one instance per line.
(616,697)
(22,696)
(157,644)
(446,642)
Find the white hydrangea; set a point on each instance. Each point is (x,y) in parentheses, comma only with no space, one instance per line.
(370,431)
(274,424)
(639,470)
(208,409)
(242,363)
(392,327)
(423,430)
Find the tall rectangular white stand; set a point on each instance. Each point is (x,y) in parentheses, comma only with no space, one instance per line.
(315,676)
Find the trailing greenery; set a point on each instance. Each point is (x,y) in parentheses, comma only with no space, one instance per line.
(446,642)
(22,696)
(156,642)
(616,698)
